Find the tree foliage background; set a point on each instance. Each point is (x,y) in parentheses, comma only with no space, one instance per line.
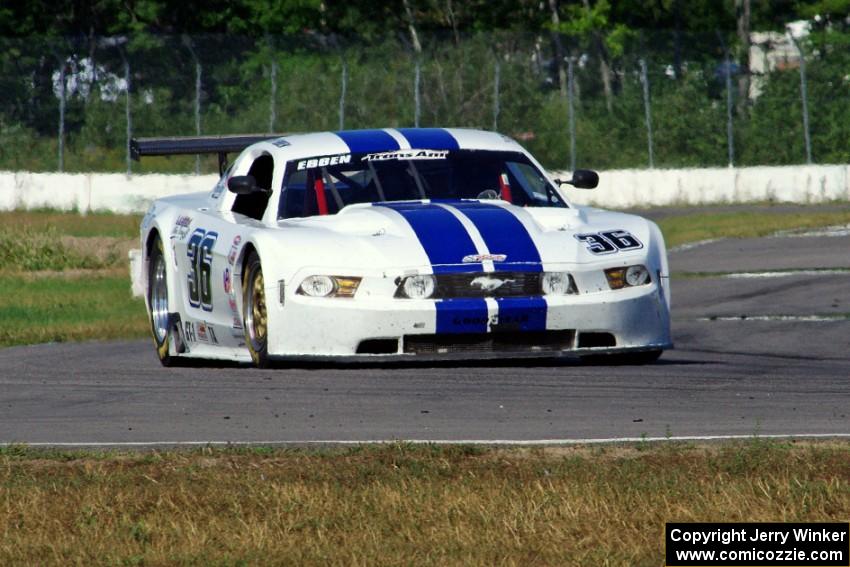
(279,65)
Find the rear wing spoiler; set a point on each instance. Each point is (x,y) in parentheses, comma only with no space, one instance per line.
(221,145)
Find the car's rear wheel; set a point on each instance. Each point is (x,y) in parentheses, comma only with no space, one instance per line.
(158,303)
(254,313)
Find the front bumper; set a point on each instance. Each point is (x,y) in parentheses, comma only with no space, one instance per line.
(375,325)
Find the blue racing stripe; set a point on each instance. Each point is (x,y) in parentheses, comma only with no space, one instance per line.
(429,139)
(462,316)
(522,313)
(365,141)
(446,242)
(504,234)
(440,233)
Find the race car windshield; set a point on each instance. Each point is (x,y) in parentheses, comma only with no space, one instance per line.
(325,184)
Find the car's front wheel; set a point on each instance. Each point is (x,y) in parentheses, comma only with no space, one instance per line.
(158,303)
(254,313)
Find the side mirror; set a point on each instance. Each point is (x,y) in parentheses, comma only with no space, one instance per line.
(242,184)
(583,179)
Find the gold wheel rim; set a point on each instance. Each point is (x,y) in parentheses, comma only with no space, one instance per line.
(258,307)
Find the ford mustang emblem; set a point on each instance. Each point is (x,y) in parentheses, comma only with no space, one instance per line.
(487,283)
(475,258)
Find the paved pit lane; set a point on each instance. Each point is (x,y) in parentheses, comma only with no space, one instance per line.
(750,360)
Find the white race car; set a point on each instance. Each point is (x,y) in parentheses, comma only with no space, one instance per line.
(396,243)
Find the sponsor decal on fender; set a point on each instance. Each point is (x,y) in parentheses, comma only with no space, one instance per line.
(228,281)
(189,332)
(181,227)
(234,250)
(231,300)
(206,333)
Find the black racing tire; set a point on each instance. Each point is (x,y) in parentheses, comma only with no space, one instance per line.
(158,303)
(254,313)
(624,359)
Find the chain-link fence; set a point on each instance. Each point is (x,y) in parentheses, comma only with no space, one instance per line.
(660,100)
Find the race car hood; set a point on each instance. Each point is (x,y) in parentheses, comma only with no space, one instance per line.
(458,235)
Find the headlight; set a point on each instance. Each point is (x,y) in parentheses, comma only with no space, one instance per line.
(329,286)
(317,286)
(637,275)
(558,283)
(417,287)
(630,276)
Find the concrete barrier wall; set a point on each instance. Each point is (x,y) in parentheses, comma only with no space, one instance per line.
(86,192)
(120,193)
(645,187)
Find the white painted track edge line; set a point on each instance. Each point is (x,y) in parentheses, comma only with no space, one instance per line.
(516,442)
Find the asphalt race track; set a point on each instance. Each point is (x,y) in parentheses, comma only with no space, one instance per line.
(765,355)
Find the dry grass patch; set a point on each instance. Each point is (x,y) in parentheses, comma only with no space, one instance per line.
(30,250)
(402,504)
(49,240)
(105,250)
(72,224)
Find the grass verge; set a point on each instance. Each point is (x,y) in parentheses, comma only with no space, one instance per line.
(402,504)
(693,227)
(91,304)
(64,277)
